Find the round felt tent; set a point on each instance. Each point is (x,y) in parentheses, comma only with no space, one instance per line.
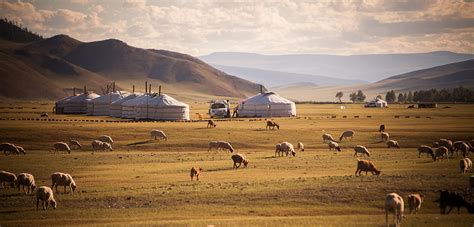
(377,103)
(101,105)
(129,107)
(78,104)
(116,106)
(162,107)
(59,105)
(266,104)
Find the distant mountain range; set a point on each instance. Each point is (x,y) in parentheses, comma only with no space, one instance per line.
(354,67)
(47,68)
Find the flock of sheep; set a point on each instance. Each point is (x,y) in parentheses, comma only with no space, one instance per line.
(394,203)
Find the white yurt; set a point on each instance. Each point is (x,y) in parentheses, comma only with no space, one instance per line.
(59,105)
(129,106)
(267,104)
(116,106)
(377,103)
(101,105)
(162,107)
(78,103)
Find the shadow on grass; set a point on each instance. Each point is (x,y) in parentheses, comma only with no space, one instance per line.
(219,169)
(140,142)
(11,195)
(9,212)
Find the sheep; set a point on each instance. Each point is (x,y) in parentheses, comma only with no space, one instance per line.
(195,171)
(223,145)
(361,149)
(8,148)
(21,150)
(8,178)
(44,114)
(106,146)
(425,149)
(414,202)
(158,134)
(239,158)
(61,146)
(45,194)
(107,139)
(272,124)
(75,143)
(366,166)
(452,199)
(441,152)
(334,145)
(97,145)
(287,148)
(382,128)
(347,134)
(211,124)
(466,165)
(394,204)
(385,136)
(277,149)
(300,146)
(447,143)
(26,179)
(328,137)
(464,148)
(392,143)
(435,144)
(63,179)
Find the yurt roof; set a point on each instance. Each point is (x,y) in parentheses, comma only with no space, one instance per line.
(165,100)
(110,97)
(127,98)
(65,99)
(84,97)
(266,98)
(139,100)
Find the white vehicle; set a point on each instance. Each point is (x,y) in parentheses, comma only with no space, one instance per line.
(219,108)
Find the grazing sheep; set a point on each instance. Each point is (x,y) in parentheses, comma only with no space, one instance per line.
(7,177)
(9,148)
(213,145)
(392,143)
(465,149)
(106,146)
(382,128)
(195,171)
(158,134)
(347,134)
(447,143)
(334,145)
(435,144)
(211,124)
(63,179)
(21,150)
(425,149)
(361,149)
(385,136)
(328,137)
(45,194)
(220,145)
(272,125)
(44,114)
(300,146)
(394,204)
(239,158)
(453,199)
(366,166)
(287,148)
(61,146)
(441,152)
(277,149)
(97,145)
(414,202)
(466,165)
(26,179)
(107,139)
(75,143)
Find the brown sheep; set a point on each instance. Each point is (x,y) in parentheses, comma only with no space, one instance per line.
(441,152)
(9,148)
(414,202)
(63,179)
(195,171)
(239,159)
(211,124)
(425,149)
(45,194)
(26,179)
(327,137)
(394,204)
(366,166)
(446,143)
(8,178)
(347,134)
(466,165)
(272,125)
(361,149)
(385,136)
(393,143)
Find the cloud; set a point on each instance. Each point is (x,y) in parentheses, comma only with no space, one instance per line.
(80,2)
(134,3)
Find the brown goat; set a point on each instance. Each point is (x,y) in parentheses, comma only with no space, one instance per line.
(366,166)
(195,171)
(211,124)
(272,125)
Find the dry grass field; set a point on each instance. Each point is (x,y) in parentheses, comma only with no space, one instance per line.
(147,182)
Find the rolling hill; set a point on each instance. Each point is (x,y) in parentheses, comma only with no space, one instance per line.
(48,68)
(354,67)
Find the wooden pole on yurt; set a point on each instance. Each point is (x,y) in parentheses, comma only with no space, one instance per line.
(74,91)
(149,88)
(146,87)
(133,89)
(85,89)
(113,87)
(159,90)
(261,89)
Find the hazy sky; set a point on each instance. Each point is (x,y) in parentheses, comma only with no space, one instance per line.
(200,27)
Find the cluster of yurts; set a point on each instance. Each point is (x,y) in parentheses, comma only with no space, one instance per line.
(157,106)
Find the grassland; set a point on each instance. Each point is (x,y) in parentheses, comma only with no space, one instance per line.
(147,182)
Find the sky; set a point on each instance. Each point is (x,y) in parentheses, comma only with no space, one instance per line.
(201,27)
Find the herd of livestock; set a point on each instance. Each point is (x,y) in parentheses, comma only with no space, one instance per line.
(394,203)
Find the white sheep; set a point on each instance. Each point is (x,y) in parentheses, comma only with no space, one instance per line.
(277,149)
(414,202)
(362,150)
(26,179)
(63,179)
(425,149)
(287,148)
(62,146)
(220,145)
(327,137)
(347,134)
(394,204)
(300,146)
(385,136)
(466,165)
(97,145)
(158,134)
(75,143)
(7,177)
(392,143)
(107,139)
(45,194)
(334,145)
(106,146)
